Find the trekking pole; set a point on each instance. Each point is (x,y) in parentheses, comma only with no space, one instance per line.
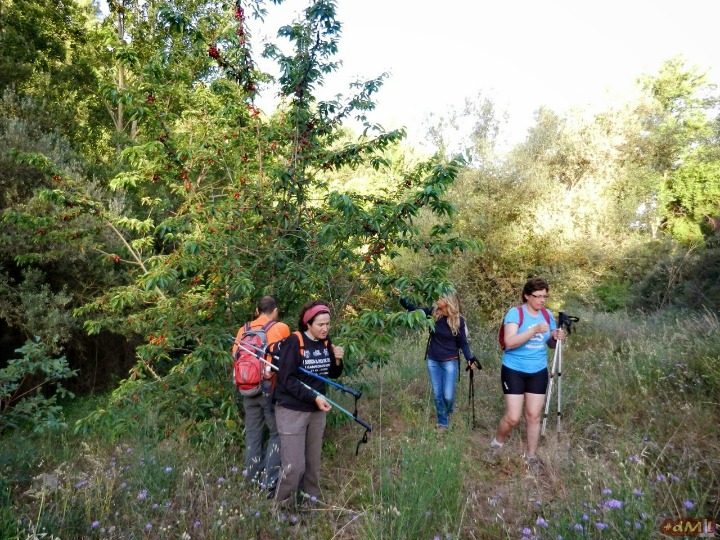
(565,322)
(368,427)
(355,393)
(559,386)
(548,397)
(471,393)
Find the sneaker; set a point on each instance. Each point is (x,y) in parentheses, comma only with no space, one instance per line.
(441,430)
(533,464)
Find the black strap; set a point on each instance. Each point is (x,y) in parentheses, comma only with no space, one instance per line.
(364,440)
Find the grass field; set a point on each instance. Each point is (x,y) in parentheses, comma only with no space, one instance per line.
(640,443)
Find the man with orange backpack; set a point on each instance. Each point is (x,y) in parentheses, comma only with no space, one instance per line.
(262,461)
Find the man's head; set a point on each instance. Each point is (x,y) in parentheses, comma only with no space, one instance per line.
(267,306)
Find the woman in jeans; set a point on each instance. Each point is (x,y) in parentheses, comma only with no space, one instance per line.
(442,354)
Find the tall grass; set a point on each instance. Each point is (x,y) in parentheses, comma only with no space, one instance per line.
(640,443)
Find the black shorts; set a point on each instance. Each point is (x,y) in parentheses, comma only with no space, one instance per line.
(519,382)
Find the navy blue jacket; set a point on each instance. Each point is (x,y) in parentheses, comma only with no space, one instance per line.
(443,346)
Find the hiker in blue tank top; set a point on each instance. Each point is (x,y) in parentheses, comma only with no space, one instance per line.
(527,330)
(442,353)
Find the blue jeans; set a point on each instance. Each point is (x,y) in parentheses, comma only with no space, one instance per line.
(442,378)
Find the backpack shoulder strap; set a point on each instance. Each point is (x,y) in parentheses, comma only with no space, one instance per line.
(268,325)
(302,343)
(246,327)
(521,315)
(546,315)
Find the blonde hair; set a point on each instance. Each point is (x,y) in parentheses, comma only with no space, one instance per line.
(453,312)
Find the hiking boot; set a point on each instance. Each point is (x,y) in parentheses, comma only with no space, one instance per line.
(533,464)
(493,453)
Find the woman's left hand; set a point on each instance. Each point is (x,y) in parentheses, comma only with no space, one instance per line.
(338,351)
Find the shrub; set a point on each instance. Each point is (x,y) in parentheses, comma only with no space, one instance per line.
(29,388)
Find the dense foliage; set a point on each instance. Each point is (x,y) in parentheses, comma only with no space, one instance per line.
(148,200)
(213,203)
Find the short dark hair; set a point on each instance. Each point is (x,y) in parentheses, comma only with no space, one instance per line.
(266,305)
(532,285)
(303,326)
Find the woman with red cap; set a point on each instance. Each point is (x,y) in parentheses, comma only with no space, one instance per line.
(299,411)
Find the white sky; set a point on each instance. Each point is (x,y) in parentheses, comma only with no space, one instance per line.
(521,53)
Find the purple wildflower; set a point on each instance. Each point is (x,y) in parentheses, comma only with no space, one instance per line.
(196,524)
(257,514)
(245,472)
(613,503)
(154,506)
(633,459)
(600,525)
(607,491)
(95,524)
(168,469)
(578,527)
(689,505)
(661,477)
(637,492)
(585,517)
(541,521)
(80,484)
(526,531)
(148,526)
(234,469)
(220,480)
(293,519)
